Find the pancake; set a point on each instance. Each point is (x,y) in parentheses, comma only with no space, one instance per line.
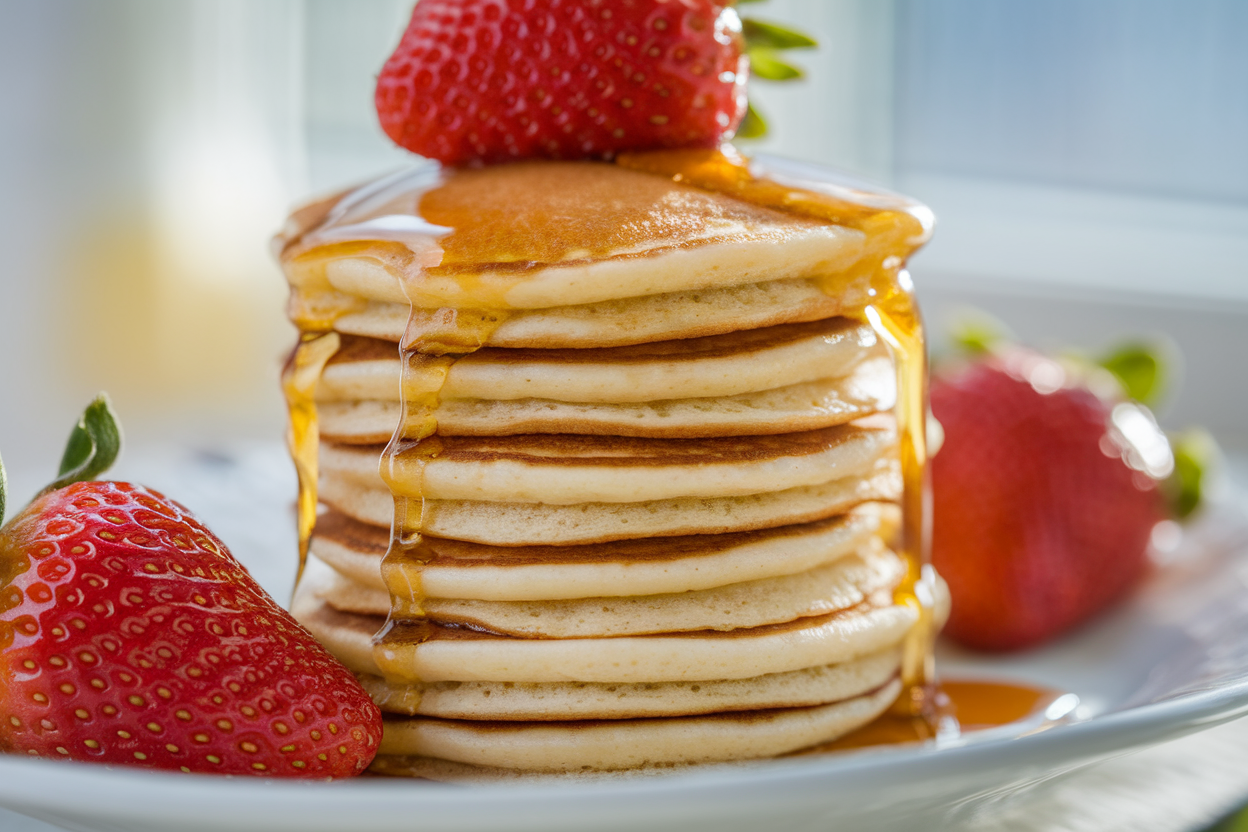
(544,234)
(553,701)
(717,365)
(529,524)
(829,588)
(869,388)
(609,745)
(459,655)
(617,323)
(649,566)
(570,470)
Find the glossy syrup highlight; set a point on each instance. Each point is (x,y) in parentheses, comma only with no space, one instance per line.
(299,378)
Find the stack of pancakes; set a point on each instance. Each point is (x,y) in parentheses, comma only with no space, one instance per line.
(645,472)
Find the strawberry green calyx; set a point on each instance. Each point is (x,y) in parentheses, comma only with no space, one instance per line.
(979,334)
(1140,369)
(93,445)
(1196,454)
(752,126)
(765,64)
(761,35)
(764,42)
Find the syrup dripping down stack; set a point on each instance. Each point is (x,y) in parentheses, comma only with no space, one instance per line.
(639,487)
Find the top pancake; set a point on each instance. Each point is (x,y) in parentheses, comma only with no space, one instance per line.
(543,234)
(571,469)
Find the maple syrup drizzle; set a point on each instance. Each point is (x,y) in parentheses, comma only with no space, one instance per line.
(431,344)
(299,379)
(895,319)
(434,339)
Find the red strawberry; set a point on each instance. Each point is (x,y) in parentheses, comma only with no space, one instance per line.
(129,634)
(1043,501)
(494,80)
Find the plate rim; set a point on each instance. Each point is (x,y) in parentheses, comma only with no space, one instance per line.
(79,785)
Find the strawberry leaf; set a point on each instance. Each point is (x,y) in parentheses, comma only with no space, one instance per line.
(1195,455)
(772,36)
(979,334)
(1140,370)
(4,487)
(92,447)
(753,126)
(766,64)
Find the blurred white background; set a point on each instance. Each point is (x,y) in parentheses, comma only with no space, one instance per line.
(1088,163)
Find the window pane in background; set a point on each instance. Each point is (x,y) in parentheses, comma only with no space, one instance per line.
(1099,146)
(1147,97)
(345,44)
(1088,164)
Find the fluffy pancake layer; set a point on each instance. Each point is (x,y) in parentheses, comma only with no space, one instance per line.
(609,745)
(535,524)
(570,470)
(868,388)
(647,566)
(840,585)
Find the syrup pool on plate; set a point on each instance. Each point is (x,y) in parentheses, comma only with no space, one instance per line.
(960,707)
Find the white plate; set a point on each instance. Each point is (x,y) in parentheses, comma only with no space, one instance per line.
(1172,661)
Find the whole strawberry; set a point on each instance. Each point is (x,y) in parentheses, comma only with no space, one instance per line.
(129,634)
(1044,498)
(494,80)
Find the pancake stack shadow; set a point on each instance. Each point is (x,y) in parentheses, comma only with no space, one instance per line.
(657,526)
